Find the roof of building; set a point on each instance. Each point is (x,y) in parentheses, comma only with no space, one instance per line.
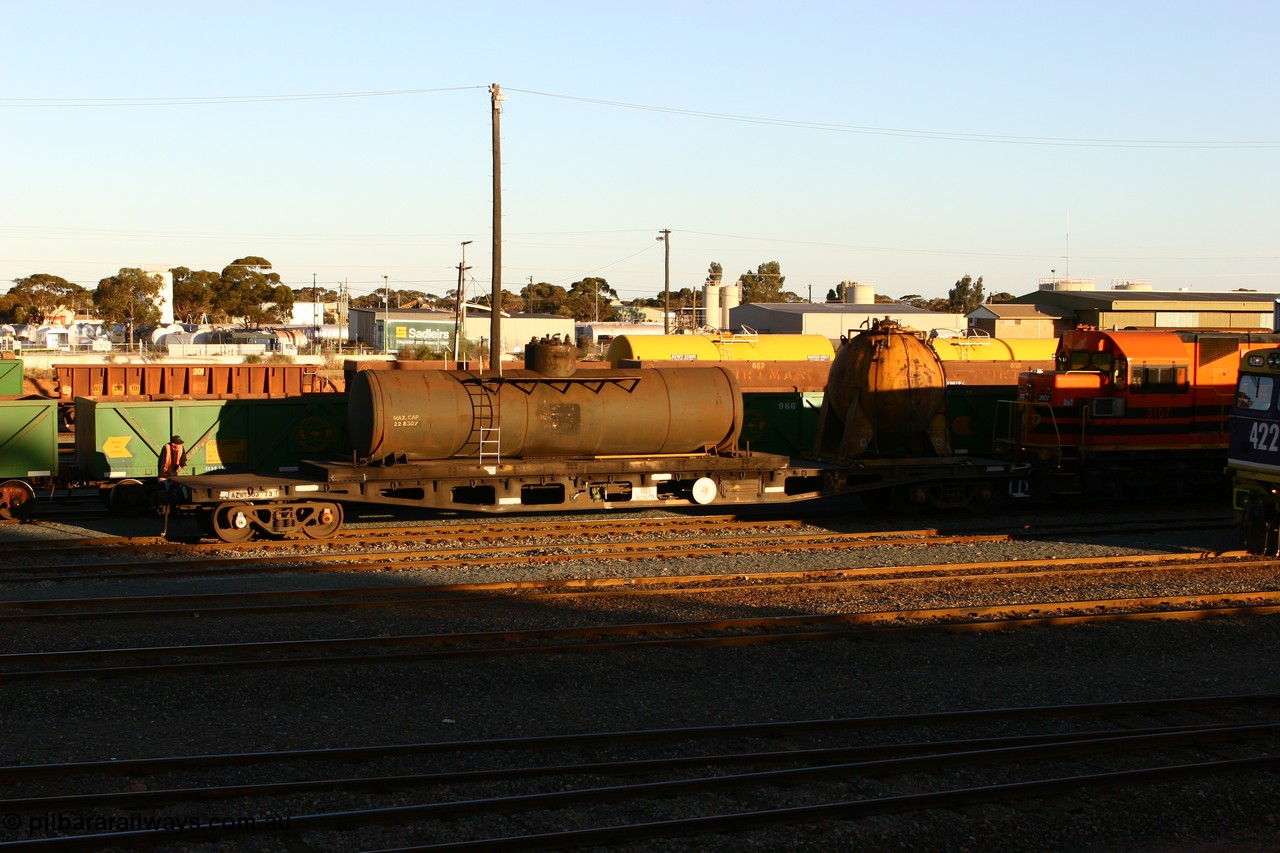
(1016,310)
(839,308)
(1120,299)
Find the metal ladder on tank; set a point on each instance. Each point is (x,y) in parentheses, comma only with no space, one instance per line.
(485,439)
(727,340)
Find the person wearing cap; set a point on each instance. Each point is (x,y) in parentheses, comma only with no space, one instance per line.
(173,458)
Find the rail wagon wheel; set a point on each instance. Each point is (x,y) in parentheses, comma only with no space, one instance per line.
(983,495)
(17,500)
(910,499)
(128,497)
(322,521)
(231,522)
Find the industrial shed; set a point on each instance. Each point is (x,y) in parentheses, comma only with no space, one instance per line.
(1013,320)
(832,320)
(412,326)
(1152,309)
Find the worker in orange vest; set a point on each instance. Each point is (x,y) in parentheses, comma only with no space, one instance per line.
(173,458)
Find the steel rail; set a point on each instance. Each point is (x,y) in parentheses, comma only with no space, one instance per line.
(953,798)
(437,558)
(436,532)
(726,632)
(706,784)
(528,530)
(886,757)
(732,731)
(346,598)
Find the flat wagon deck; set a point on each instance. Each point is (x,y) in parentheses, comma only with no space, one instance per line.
(310,503)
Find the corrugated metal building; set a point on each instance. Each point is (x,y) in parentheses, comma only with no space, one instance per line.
(832,320)
(1150,309)
(405,327)
(1014,320)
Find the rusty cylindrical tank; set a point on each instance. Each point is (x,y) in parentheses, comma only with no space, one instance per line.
(551,357)
(438,414)
(885,396)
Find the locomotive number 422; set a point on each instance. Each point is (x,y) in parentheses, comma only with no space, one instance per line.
(1265,436)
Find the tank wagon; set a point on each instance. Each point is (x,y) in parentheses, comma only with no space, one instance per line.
(884,422)
(599,438)
(1131,413)
(763,364)
(464,440)
(782,378)
(1253,450)
(981,360)
(724,347)
(982,377)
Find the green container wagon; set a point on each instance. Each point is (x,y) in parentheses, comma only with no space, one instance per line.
(122,440)
(281,433)
(28,439)
(11,377)
(782,423)
(972,416)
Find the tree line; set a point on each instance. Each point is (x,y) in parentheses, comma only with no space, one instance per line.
(248,292)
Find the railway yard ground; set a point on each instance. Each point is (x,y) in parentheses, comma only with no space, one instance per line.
(654,681)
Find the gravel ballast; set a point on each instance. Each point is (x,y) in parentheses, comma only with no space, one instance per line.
(304,707)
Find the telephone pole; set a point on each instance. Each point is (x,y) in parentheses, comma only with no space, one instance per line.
(495,302)
(666,281)
(315,342)
(460,310)
(386,313)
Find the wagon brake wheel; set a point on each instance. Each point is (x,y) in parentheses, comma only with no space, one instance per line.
(322,521)
(231,522)
(17,500)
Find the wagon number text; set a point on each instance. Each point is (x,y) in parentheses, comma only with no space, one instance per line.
(1265,436)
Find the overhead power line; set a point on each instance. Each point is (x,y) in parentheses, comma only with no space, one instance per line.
(218,99)
(922,134)
(826,127)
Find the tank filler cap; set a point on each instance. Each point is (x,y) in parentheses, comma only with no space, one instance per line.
(704,491)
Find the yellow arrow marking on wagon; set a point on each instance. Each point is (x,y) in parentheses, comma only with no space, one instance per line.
(117,447)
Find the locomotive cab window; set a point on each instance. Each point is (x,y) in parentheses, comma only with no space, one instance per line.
(1085,360)
(1255,393)
(1158,379)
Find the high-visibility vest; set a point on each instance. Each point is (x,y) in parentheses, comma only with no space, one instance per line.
(171,458)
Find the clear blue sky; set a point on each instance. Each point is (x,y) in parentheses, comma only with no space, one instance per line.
(904,144)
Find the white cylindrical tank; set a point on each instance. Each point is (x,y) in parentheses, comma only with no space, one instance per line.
(1066,284)
(730,298)
(711,299)
(859,293)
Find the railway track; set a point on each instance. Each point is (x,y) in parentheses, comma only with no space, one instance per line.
(753,630)
(501,593)
(541,703)
(542,545)
(561,792)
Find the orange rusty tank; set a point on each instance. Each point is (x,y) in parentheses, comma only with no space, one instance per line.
(443,414)
(885,397)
